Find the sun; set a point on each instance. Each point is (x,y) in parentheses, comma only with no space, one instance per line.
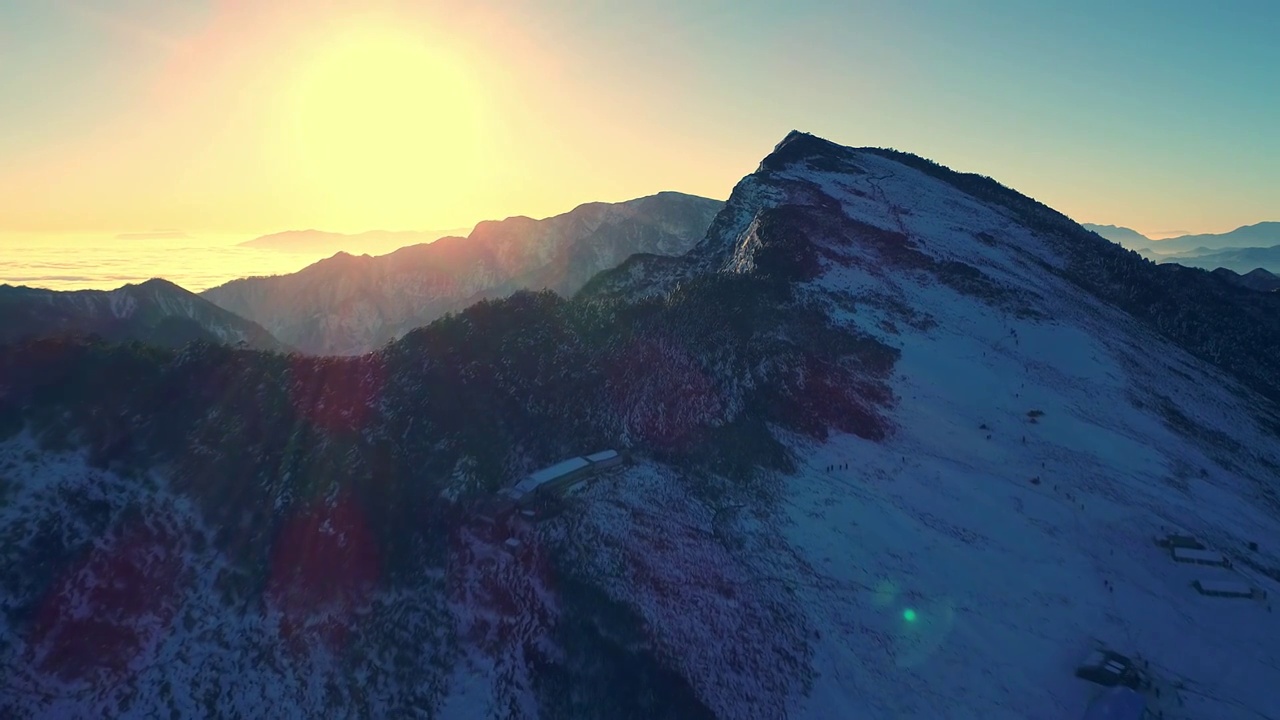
(382,121)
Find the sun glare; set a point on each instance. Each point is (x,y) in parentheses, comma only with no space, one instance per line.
(384,120)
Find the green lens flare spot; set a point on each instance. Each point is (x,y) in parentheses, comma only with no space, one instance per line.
(909,615)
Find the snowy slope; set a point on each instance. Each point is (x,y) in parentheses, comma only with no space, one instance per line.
(1008,576)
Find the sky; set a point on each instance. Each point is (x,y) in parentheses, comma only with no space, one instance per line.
(255,116)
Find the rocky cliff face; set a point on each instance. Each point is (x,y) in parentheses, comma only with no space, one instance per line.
(349,305)
(900,441)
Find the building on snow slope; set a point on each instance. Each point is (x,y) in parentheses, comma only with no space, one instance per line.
(1015,411)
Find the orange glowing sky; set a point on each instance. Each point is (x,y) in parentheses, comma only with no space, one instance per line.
(255,116)
(261,116)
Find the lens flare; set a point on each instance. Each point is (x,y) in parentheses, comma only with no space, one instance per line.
(923,631)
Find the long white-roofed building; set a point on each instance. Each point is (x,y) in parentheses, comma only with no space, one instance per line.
(562,475)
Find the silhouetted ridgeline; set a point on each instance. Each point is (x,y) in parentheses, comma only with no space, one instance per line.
(349,305)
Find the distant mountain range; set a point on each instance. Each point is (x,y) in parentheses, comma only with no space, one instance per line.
(155,312)
(1241,260)
(1241,250)
(1263,234)
(318,241)
(348,305)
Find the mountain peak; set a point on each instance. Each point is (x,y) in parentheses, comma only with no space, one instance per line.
(800,146)
(342,256)
(155,284)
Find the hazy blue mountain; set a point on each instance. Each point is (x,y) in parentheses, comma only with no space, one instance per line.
(1240,260)
(1260,235)
(1263,234)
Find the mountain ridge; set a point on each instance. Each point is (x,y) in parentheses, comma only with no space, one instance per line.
(350,304)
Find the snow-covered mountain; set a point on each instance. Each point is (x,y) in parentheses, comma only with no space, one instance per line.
(348,305)
(156,312)
(900,442)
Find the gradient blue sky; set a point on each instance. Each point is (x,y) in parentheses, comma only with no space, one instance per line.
(129,115)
